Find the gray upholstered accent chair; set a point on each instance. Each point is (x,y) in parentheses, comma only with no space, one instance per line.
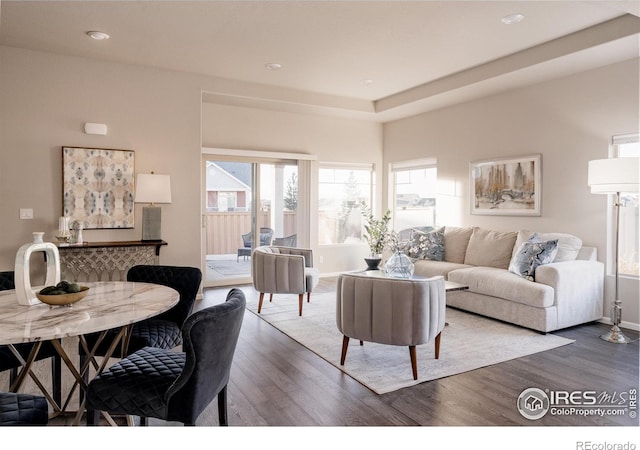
(405,312)
(171,385)
(284,270)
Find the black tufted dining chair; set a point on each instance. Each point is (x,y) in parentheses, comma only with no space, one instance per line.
(23,409)
(164,330)
(8,361)
(170,385)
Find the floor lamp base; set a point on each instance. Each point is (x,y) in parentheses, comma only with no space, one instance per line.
(616,336)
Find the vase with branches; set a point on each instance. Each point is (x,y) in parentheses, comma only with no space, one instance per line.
(376,230)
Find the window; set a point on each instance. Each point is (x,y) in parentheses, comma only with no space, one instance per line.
(341,189)
(413,188)
(627,146)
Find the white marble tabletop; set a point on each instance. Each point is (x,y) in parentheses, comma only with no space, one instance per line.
(109,304)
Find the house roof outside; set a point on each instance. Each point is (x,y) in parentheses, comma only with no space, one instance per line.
(226,177)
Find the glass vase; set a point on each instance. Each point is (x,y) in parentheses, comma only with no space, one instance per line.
(399,266)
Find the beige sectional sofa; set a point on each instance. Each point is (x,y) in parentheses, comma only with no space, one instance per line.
(566,292)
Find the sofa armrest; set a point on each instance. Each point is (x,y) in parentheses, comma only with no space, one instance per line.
(578,289)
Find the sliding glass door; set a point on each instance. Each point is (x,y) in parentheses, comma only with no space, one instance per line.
(247,203)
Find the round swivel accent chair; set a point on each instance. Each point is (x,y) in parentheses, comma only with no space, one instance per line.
(393,311)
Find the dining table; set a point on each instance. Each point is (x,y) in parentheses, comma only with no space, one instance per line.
(109,305)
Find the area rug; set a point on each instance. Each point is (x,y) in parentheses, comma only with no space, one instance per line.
(231,267)
(468,342)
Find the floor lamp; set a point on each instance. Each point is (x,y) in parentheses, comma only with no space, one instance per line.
(152,189)
(613,176)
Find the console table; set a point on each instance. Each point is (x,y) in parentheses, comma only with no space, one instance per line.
(105,261)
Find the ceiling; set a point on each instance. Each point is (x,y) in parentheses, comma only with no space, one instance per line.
(416,55)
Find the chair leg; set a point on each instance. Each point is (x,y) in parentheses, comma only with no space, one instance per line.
(438,345)
(345,345)
(222,407)
(85,375)
(300,296)
(93,417)
(414,361)
(308,297)
(270,297)
(260,302)
(56,379)
(143,421)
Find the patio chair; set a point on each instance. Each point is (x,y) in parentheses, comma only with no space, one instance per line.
(266,236)
(287,241)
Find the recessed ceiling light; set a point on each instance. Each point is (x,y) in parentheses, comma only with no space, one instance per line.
(273,66)
(512,19)
(366,82)
(98,35)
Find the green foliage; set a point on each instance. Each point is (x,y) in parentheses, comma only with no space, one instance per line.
(291,195)
(376,230)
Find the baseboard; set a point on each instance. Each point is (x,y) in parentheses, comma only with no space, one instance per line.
(623,324)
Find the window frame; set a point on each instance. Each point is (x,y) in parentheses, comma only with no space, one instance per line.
(369,167)
(400,166)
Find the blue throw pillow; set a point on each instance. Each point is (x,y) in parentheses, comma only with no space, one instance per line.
(426,245)
(532,254)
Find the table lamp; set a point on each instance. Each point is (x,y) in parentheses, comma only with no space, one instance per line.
(152,189)
(613,176)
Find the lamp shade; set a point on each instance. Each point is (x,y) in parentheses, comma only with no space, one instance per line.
(608,176)
(152,188)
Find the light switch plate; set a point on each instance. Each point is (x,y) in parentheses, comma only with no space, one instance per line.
(26,213)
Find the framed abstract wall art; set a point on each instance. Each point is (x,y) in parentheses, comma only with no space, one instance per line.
(98,187)
(506,186)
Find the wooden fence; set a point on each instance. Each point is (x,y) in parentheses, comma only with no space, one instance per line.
(225,229)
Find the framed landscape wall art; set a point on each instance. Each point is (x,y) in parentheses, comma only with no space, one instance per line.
(98,187)
(506,186)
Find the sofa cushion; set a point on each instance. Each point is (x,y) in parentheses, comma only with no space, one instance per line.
(530,255)
(501,283)
(456,240)
(490,248)
(426,245)
(426,268)
(568,245)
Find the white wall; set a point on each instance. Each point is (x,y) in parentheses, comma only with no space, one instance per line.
(568,121)
(45,99)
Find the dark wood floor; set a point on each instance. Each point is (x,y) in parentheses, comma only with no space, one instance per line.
(276,381)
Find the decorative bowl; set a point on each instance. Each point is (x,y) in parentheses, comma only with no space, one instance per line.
(64,299)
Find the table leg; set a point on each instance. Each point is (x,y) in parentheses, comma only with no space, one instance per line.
(26,370)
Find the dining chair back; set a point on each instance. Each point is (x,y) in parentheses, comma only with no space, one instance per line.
(170,385)
(23,409)
(162,331)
